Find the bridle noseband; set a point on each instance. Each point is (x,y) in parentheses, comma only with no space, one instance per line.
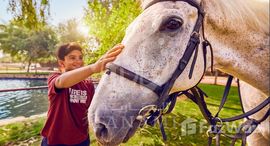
(194,93)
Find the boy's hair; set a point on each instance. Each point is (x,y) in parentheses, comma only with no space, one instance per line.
(65,49)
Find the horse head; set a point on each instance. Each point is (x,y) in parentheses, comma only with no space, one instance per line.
(155,43)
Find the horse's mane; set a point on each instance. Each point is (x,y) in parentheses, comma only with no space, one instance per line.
(253,13)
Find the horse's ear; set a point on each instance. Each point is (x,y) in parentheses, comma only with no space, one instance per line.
(142,3)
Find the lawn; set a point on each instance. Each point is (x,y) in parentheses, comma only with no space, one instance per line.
(179,134)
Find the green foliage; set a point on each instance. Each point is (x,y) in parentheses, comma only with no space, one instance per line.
(107,21)
(31,14)
(68,32)
(28,45)
(6,59)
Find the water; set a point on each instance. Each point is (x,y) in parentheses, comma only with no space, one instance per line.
(22,103)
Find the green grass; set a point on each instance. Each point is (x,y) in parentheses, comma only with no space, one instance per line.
(13,134)
(185,109)
(149,136)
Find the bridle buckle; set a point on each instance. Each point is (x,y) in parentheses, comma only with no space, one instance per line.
(215,129)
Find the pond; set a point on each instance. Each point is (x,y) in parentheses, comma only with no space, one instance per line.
(22,103)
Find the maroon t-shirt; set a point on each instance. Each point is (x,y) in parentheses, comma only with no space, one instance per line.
(67,121)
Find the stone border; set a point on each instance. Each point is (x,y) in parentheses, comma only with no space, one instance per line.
(23,76)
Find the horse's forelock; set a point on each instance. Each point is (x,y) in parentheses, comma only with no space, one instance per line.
(253,13)
(144,3)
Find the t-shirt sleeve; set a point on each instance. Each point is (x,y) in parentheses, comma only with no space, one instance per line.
(52,90)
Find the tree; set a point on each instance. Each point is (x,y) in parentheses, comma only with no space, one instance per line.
(29,18)
(31,14)
(107,21)
(28,45)
(68,32)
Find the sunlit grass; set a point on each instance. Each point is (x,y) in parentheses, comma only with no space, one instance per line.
(16,133)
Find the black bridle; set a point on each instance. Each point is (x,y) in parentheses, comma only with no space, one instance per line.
(194,93)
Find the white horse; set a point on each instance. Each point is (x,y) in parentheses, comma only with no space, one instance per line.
(154,43)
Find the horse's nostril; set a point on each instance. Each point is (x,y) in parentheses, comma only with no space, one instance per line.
(101,131)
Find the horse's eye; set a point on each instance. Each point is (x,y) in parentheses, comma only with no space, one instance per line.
(171,24)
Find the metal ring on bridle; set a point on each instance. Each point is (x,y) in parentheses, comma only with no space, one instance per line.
(217,126)
(210,134)
(144,112)
(218,120)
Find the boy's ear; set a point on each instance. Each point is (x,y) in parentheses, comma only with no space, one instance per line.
(61,63)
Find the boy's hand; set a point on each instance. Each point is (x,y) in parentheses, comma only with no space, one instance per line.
(108,57)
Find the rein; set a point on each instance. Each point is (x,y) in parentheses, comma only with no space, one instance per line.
(216,123)
(152,113)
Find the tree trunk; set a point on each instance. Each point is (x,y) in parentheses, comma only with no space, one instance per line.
(28,66)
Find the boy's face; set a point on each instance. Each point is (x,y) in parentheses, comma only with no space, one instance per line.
(72,61)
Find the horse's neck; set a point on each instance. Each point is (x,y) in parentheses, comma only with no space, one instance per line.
(238,51)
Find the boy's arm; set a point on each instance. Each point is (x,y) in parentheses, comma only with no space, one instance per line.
(75,76)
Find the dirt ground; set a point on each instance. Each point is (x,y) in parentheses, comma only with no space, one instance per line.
(217,81)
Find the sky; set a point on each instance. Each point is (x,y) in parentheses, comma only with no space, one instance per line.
(60,10)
